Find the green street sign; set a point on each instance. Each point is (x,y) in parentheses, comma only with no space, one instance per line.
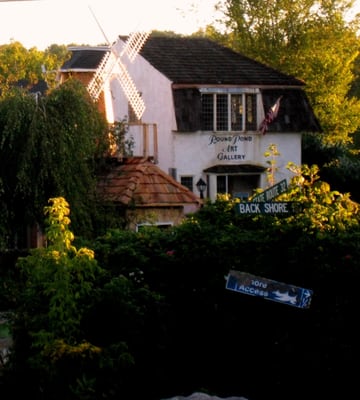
(271,192)
(272,207)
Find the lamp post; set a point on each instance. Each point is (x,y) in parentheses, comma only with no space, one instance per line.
(201,185)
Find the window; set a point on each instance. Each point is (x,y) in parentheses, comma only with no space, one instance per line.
(188,182)
(221,182)
(232,111)
(241,195)
(238,186)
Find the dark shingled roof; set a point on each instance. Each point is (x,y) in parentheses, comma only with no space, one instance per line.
(85,58)
(191,62)
(194,60)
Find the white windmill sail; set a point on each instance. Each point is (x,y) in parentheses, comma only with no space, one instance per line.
(134,44)
(102,75)
(111,67)
(131,93)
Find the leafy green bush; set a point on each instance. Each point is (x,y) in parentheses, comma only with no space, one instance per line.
(152,306)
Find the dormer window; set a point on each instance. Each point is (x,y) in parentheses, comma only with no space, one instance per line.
(230,110)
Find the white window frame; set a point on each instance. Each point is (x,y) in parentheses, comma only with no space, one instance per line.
(230,92)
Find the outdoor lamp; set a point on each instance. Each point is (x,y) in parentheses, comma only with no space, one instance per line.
(201,185)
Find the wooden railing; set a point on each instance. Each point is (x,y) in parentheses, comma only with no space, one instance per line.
(145,141)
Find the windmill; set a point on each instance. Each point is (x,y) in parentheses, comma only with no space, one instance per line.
(112,66)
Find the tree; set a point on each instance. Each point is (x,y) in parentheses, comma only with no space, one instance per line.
(322,209)
(54,57)
(25,67)
(309,39)
(59,281)
(49,146)
(153,306)
(65,303)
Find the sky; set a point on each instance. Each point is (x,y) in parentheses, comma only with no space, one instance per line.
(40,23)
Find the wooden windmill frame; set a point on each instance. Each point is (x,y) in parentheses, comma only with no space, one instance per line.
(111,66)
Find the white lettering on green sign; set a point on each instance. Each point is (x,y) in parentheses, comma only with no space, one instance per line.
(276,208)
(249,208)
(271,192)
(264,208)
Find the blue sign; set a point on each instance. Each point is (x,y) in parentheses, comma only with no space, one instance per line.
(252,285)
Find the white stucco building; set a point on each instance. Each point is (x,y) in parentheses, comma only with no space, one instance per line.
(204,105)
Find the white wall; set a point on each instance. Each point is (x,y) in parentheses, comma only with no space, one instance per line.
(191,153)
(157,95)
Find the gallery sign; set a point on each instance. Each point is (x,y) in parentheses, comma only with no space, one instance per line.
(232,148)
(252,285)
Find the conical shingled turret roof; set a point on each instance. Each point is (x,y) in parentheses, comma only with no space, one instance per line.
(140,182)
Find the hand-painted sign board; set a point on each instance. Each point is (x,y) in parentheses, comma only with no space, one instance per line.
(252,285)
(271,207)
(271,192)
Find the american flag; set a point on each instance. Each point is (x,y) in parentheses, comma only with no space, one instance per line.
(270,116)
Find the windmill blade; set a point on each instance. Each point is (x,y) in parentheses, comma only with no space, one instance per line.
(131,48)
(129,88)
(100,27)
(101,75)
(111,59)
(134,44)
(106,69)
(104,74)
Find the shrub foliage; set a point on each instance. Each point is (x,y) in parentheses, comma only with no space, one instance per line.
(147,314)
